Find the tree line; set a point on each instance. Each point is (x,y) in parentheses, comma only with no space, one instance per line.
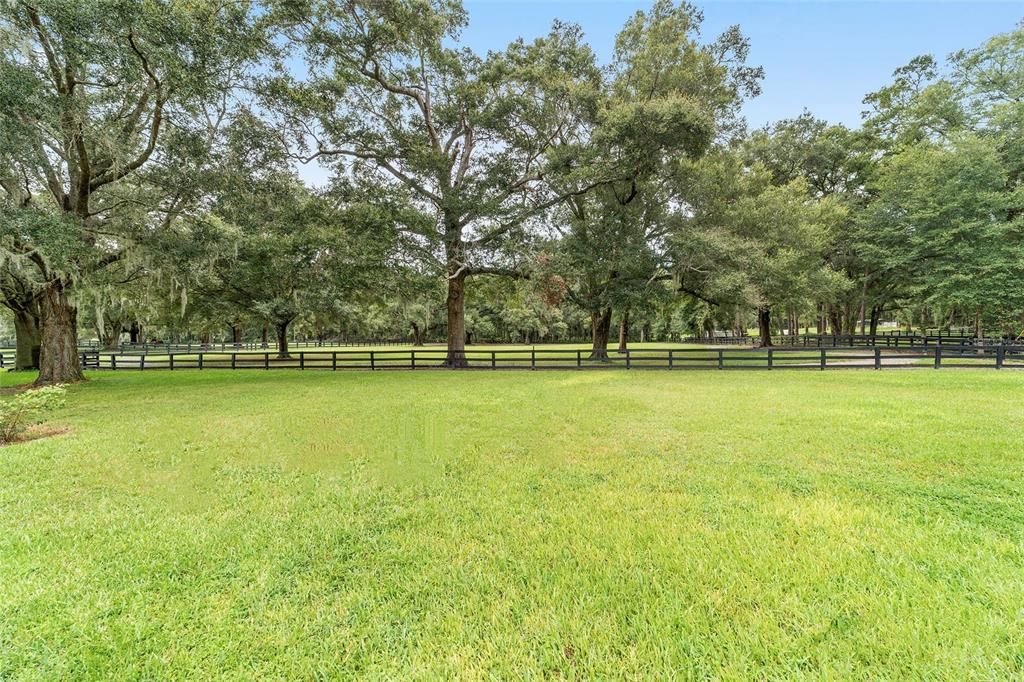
(149,155)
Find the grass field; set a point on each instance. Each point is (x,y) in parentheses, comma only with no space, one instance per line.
(433,525)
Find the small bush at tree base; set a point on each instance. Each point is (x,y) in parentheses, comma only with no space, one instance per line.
(26,409)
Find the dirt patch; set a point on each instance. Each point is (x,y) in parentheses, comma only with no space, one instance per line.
(37,432)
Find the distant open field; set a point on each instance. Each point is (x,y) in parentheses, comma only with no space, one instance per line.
(433,525)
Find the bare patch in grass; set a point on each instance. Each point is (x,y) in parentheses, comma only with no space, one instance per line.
(37,432)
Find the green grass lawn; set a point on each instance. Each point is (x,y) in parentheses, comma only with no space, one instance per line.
(519,524)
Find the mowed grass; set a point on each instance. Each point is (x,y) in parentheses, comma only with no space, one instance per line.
(434,525)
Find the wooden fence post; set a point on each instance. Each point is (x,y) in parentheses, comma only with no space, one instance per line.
(938,357)
(302,360)
(113,361)
(721,359)
(142,362)
(627,359)
(170,361)
(670,358)
(533,358)
(334,361)
(200,359)
(1000,356)
(233,360)
(579,359)
(878,357)
(412,359)
(822,358)
(494,360)
(373,361)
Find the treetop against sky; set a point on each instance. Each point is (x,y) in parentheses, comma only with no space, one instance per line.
(820,56)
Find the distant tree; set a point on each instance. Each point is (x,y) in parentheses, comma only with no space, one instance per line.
(468,139)
(668,97)
(754,242)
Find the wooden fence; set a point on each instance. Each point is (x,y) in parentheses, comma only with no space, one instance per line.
(878,357)
(886,339)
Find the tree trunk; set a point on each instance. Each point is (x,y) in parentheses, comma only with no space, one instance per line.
(58,353)
(600,326)
(134,331)
(456,304)
(263,336)
(27,340)
(282,339)
(111,335)
(863,306)
(417,335)
(876,313)
(764,325)
(836,318)
(236,333)
(624,332)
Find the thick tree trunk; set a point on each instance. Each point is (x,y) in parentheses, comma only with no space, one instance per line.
(58,355)
(764,325)
(456,304)
(876,314)
(134,332)
(28,340)
(111,335)
(600,326)
(236,333)
(624,332)
(836,318)
(264,336)
(417,335)
(282,339)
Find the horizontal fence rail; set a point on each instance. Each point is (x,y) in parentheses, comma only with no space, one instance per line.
(887,339)
(878,357)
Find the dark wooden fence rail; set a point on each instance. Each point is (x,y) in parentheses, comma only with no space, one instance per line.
(877,357)
(887,339)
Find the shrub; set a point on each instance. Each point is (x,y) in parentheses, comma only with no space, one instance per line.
(27,408)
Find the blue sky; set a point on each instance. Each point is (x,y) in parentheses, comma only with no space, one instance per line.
(823,56)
